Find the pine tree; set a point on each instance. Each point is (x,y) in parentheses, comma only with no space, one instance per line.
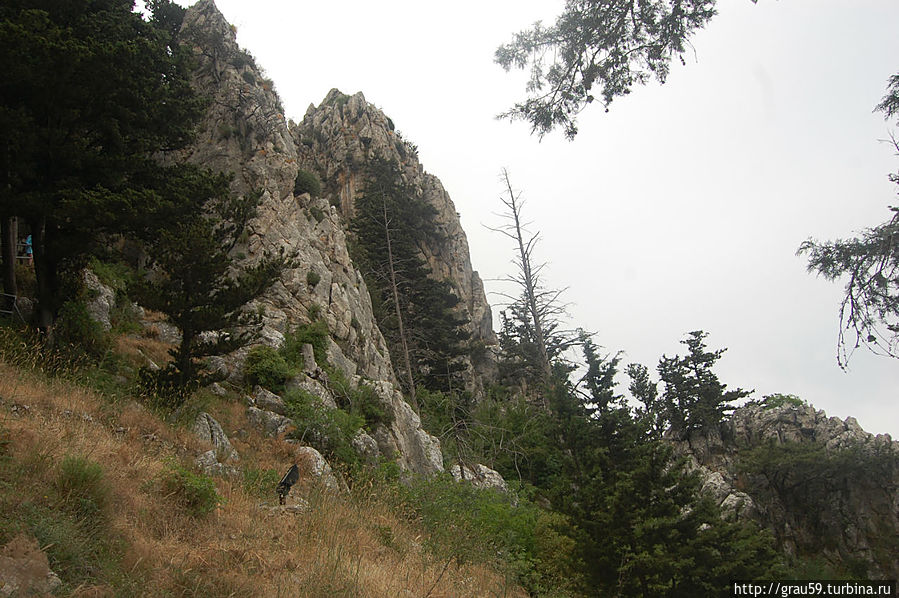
(90,92)
(194,279)
(417,314)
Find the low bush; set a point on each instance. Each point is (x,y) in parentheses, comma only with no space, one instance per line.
(77,334)
(316,334)
(307,182)
(260,482)
(194,493)
(330,431)
(465,523)
(81,485)
(266,367)
(313,278)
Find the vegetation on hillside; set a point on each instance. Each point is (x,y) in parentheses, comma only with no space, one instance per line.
(96,462)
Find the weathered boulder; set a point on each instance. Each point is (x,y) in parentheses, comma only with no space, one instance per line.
(209,464)
(101,299)
(312,463)
(25,570)
(414,449)
(209,430)
(366,447)
(269,401)
(479,476)
(268,422)
(313,387)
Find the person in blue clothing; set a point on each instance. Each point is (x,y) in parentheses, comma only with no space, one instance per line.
(29,251)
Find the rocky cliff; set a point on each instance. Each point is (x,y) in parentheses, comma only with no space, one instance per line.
(245,132)
(827,489)
(337,140)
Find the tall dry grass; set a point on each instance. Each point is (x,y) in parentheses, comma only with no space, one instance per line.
(349,544)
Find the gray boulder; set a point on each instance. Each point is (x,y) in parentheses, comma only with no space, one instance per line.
(209,430)
(270,423)
(312,462)
(265,399)
(479,476)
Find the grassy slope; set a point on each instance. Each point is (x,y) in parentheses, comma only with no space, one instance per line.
(121,533)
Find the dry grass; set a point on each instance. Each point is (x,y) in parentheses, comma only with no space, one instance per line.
(344,545)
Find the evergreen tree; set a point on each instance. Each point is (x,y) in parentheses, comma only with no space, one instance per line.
(194,280)
(694,398)
(869,311)
(90,92)
(417,314)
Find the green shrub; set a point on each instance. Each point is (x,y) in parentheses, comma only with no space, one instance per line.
(362,401)
(266,367)
(249,77)
(779,400)
(369,405)
(81,485)
(192,492)
(471,524)
(242,59)
(116,275)
(313,278)
(76,333)
(307,182)
(330,431)
(316,334)
(317,213)
(314,311)
(260,482)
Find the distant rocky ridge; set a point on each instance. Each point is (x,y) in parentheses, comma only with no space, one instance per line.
(824,486)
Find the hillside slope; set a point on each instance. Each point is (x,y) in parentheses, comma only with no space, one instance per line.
(102,494)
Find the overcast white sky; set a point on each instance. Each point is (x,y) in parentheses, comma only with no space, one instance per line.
(682,207)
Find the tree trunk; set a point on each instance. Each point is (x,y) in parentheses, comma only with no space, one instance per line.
(399,314)
(529,282)
(45,272)
(8,238)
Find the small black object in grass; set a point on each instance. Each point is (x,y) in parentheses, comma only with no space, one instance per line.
(290,478)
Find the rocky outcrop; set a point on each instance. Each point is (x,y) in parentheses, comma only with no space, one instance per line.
(220,458)
(245,133)
(824,486)
(479,476)
(313,464)
(337,140)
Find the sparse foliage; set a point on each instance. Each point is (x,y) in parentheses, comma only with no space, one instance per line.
(609,44)
(869,311)
(531,338)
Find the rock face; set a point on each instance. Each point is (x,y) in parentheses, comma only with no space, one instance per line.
(823,485)
(245,133)
(479,476)
(337,140)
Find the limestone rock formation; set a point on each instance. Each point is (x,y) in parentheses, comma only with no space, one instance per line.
(344,133)
(479,476)
(313,464)
(245,133)
(824,486)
